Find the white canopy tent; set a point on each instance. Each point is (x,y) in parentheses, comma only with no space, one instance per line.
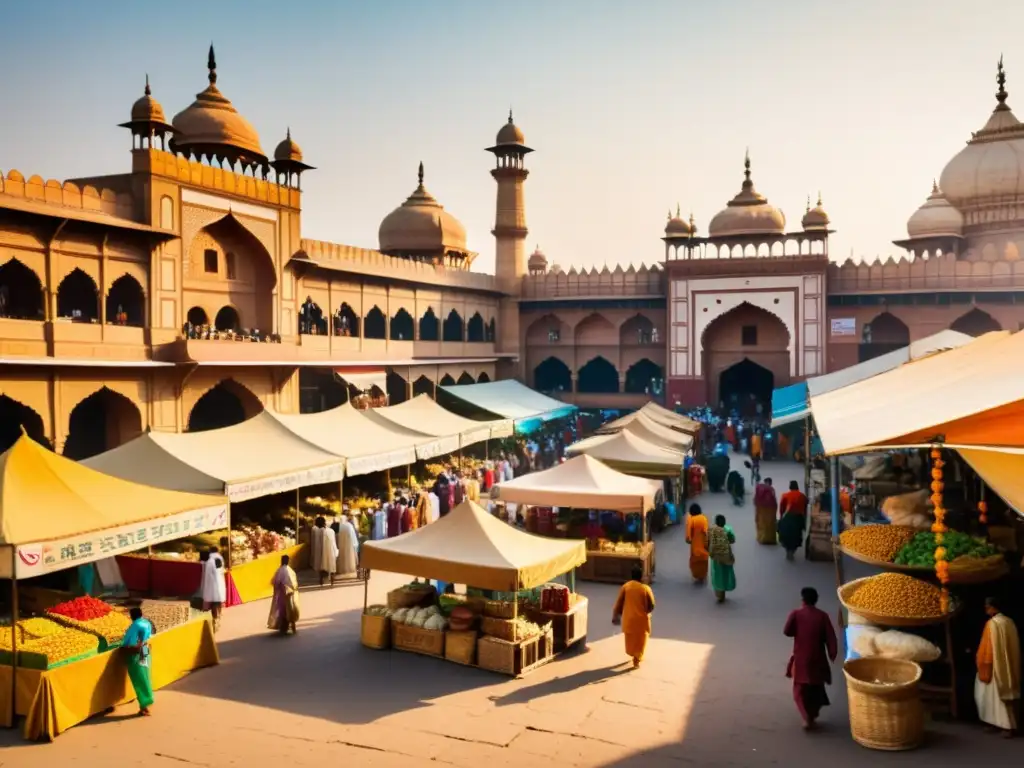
(509,399)
(451,431)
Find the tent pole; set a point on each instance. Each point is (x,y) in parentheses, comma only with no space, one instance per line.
(408,478)
(14,635)
(807,455)
(387,477)
(487,449)
(227,555)
(460,453)
(366,591)
(297,499)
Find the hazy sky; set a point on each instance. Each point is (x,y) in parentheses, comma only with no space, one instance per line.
(631,107)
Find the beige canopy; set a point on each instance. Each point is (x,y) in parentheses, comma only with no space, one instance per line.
(470,546)
(256,458)
(631,454)
(644,427)
(582,482)
(671,419)
(449,430)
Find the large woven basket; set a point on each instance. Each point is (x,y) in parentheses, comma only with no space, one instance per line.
(885,703)
(844,592)
(404,597)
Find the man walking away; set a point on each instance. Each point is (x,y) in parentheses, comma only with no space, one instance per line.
(814,650)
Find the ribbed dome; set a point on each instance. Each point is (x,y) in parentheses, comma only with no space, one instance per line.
(992,163)
(676,226)
(510,133)
(148,109)
(748,213)
(936,218)
(815,218)
(421,224)
(211,125)
(288,149)
(537,261)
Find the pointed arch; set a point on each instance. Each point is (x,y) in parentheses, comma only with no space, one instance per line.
(977,322)
(423,386)
(466,378)
(375,324)
(21,292)
(126,302)
(311,318)
(78,297)
(598,376)
(644,377)
(346,321)
(638,330)
(491,330)
(552,375)
(15,416)
(224,404)
(475,331)
(398,387)
(197,316)
(430,328)
(885,333)
(595,330)
(453,329)
(483,378)
(103,420)
(402,328)
(446,381)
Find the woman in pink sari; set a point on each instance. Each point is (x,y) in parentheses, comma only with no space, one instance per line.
(766,507)
(284,607)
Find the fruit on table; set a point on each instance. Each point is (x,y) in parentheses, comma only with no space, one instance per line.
(5,636)
(920,551)
(36,629)
(110,627)
(879,542)
(896,595)
(81,608)
(62,646)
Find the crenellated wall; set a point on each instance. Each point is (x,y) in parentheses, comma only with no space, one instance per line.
(618,281)
(944,272)
(66,194)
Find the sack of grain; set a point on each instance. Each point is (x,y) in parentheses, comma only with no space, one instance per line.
(908,508)
(863,641)
(902,645)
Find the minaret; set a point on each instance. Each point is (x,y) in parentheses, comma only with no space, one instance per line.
(510,233)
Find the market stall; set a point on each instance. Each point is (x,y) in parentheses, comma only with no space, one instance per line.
(641,425)
(472,547)
(585,483)
(671,419)
(424,415)
(57,514)
(506,399)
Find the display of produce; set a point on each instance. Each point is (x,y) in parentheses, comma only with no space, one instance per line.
(878,542)
(620,547)
(896,595)
(81,609)
(461,619)
(61,647)
(424,618)
(913,509)
(166,614)
(378,610)
(38,628)
(920,552)
(525,628)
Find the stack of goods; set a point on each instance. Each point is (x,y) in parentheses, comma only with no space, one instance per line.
(877,542)
(166,614)
(895,596)
(422,618)
(87,614)
(555,598)
(378,610)
(913,509)
(58,649)
(893,644)
(241,552)
(415,593)
(260,541)
(620,547)
(26,631)
(510,630)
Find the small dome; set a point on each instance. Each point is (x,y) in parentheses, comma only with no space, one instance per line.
(936,218)
(421,224)
(748,213)
(992,163)
(676,226)
(510,133)
(288,149)
(212,123)
(147,109)
(815,218)
(537,261)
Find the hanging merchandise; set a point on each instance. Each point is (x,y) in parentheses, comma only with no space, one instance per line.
(939,527)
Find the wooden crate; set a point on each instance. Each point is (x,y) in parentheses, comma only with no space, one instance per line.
(429,642)
(616,568)
(460,647)
(568,628)
(509,658)
(375,631)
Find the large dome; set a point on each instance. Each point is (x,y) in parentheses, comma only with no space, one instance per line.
(748,213)
(936,218)
(421,224)
(991,166)
(212,126)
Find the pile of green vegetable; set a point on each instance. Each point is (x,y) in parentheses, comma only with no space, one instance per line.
(920,552)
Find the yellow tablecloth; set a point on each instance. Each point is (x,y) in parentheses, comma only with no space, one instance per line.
(61,698)
(252,579)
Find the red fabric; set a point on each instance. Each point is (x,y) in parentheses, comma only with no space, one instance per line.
(793,501)
(394,520)
(809,700)
(764,496)
(814,646)
(169,578)
(488,479)
(406,519)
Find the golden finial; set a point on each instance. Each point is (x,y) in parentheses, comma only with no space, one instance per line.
(510,115)
(935,187)
(211,64)
(670,214)
(678,208)
(421,173)
(148,91)
(808,204)
(1001,94)
(819,198)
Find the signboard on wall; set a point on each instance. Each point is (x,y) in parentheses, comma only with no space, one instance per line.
(844,326)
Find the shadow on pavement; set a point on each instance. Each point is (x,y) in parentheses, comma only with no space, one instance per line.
(557,685)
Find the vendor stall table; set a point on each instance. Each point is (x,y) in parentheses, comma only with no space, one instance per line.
(61,698)
(568,628)
(253,578)
(617,567)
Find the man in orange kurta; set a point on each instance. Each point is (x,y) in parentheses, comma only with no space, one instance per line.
(633,609)
(697,538)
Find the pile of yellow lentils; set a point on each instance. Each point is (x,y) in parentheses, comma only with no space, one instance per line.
(878,542)
(896,595)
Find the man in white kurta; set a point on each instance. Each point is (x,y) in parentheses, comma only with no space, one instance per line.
(326,549)
(348,547)
(997,687)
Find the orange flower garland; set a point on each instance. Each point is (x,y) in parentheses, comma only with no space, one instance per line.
(983,507)
(939,527)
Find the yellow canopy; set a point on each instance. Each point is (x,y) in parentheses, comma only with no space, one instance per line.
(581,482)
(449,430)
(470,546)
(628,453)
(57,513)
(644,427)
(971,395)
(668,418)
(1002,472)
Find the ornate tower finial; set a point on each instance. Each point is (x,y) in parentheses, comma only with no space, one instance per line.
(670,214)
(678,209)
(1001,94)
(211,64)
(693,223)
(288,133)
(935,187)
(510,115)
(148,91)
(746,166)
(421,173)
(819,198)
(808,204)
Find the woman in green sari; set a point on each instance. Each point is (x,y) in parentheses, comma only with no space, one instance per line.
(723,574)
(136,645)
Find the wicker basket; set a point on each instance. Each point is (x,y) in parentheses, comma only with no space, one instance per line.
(460,647)
(375,631)
(429,642)
(885,704)
(500,609)
(496,655)
(979,572)
(504,629)
(403,597)
(889,621)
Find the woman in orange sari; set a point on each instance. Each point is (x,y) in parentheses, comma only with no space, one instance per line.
(633,609)
(697,538)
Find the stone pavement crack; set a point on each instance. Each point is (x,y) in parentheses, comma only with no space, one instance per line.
(631,704)
(177,759)
(573,735)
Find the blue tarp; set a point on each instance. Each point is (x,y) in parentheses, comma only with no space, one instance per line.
(790,403)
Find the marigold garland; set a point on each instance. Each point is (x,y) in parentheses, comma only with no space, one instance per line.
(939,527)
(983,507)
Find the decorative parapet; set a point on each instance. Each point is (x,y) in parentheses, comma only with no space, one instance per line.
(66,194)
(370,263)
(593,282)
(224,180)
(936,273)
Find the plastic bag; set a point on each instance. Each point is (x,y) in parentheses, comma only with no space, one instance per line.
(901,645)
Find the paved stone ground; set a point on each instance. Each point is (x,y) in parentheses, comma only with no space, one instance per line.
(712,692)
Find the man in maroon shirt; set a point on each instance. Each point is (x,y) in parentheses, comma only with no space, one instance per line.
(814,650)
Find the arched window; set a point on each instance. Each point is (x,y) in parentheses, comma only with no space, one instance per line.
(398,388)
(484,378)
(21,292)
(429,327)
(346,321)
(490,330)
(644,377)
(224,405)
(126,303)
(466,378)
(401,330)
(227,319)
(77,297)
(475,328)
(166,213)
(552,375)
(197,316)
(14,417)
(447,381)
(453,327)
(103,420)
(375,325)
(423,386)
(977,322)
(311,319)
(598,377)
